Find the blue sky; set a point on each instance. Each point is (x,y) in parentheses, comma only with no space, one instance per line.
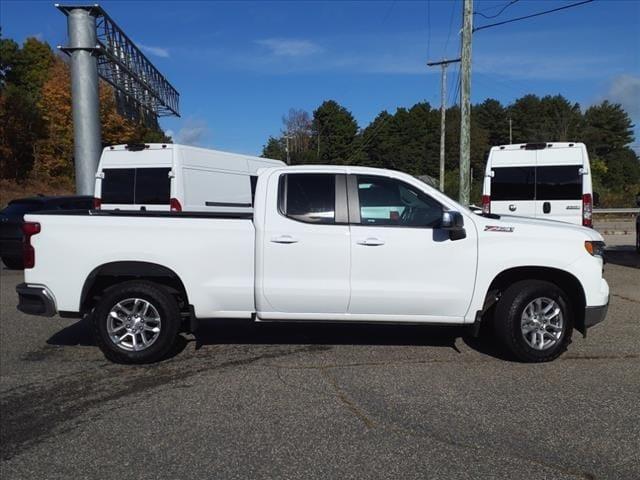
(239,66)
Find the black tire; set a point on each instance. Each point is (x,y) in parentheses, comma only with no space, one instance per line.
(165,305)
(13,263)
(509,314)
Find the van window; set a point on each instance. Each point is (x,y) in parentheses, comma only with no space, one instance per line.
(150,186)
(254,183)
(562,182)
(118,185)
(513,183)
(308,197)
(153,186)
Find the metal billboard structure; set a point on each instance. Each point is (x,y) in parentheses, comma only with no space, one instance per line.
(99,48)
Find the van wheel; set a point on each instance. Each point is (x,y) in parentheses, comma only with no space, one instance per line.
(136,322)
(534,320)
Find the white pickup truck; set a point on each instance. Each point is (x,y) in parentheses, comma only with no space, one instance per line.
(324,243)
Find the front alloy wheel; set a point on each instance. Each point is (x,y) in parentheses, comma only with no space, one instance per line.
(534,320)
(542,323)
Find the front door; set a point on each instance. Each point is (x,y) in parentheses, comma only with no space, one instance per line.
(401,263)
(306,255)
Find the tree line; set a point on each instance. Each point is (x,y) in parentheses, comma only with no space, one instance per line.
(409,139)
(36,126)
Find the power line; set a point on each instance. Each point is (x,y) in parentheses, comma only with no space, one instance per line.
(453,9)
(428,28)
(499,13)
(532,15)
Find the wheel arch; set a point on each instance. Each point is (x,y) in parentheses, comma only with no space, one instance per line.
(109,274)
(564,280)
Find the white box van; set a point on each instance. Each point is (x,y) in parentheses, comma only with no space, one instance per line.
(176,177)
(542,180)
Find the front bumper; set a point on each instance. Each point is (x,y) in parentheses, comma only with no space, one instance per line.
(595,315)
(35,300)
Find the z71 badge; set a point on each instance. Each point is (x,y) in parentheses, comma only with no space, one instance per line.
(496,228)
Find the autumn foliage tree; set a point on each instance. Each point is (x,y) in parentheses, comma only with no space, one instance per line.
(36,124)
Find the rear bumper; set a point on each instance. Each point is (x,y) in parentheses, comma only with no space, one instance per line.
(35,300)
(595,315)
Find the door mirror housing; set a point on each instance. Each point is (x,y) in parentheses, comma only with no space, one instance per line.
(638,199)
(453,222)
(596,199)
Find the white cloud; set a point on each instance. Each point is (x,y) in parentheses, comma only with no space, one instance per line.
(283,47)
(625,90)
(194,131)
(156,51)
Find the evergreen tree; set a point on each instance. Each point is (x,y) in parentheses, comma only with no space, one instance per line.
(335,129)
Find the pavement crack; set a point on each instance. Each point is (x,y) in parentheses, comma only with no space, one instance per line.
(346,401)
(623,297)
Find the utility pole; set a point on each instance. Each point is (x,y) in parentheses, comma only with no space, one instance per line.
(287,148)
(465,102)
(510,132)
(443,111)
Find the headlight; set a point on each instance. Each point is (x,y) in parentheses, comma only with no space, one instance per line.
(594,248)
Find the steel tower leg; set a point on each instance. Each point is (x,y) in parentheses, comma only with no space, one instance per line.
(81,23)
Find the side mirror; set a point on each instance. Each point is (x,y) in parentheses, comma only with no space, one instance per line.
(638,199)
(596,199)
(453,222)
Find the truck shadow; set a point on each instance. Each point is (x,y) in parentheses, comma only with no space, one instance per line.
(239,332)
(624,255)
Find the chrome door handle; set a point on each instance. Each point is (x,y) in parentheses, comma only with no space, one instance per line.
(284,239)
(371,242)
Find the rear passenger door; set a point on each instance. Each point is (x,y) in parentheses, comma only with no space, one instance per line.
(306,256)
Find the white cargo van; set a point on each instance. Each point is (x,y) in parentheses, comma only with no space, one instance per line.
(542,180)
(176,177)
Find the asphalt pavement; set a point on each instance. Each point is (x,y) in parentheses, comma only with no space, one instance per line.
(243,401)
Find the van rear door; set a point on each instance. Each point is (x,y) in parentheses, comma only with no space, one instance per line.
(512,180)
(559,188)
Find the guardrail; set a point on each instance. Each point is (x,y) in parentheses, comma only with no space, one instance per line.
(624,211)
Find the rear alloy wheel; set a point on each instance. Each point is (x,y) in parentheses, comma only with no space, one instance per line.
(534,320)
(136,322)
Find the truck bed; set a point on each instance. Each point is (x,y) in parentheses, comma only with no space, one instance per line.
(212,254)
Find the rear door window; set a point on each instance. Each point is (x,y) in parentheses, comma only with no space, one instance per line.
(118,185)
(151,186)
(308,198)
(513,183)
(562,182)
